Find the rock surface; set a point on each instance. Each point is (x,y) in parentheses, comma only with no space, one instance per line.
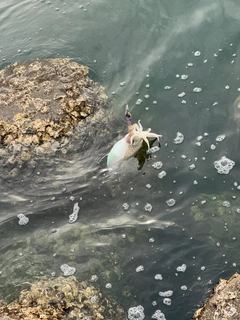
(224,302)
(62,298)
(42,102)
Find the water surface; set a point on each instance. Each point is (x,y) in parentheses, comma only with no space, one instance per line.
(159,52)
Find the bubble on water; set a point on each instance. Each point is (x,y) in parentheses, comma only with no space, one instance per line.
(125,206)
(213,147)
(154,102)
(184,77)
(167,293)
(179,138)
(184,288)
(157,165)
(171,202)
(183,101)
(162,174)
(182,268)
(195,182)
(227,87)
(224,165)
(192,166)
(158,315)
(136,313)
(94,278)
(167,301)
(158,277)
(153,150)
(148,207)
(74,216)
(23,220)
(181,95)
(167,87)
(140,268)
(94,299)
(221,137)
(67,270)
(197,89)
(226,204)
(197,53)
(139,101)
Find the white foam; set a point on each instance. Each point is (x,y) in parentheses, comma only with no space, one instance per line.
(74,216)
(179,138)
(136,313)
(23,220)
(224,165)
(67,270)
(157,165)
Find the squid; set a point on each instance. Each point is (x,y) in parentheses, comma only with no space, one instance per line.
(128,146)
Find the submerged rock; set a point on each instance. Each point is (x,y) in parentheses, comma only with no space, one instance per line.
(223,302)
(62,298)
(42,102)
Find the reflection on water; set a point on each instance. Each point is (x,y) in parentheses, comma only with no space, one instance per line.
(174,224)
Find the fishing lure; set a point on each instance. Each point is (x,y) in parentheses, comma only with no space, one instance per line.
(128,146)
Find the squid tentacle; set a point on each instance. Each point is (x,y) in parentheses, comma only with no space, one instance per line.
(126,148)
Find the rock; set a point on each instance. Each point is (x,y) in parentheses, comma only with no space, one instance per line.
(223,303)
(43,101)
(62,298)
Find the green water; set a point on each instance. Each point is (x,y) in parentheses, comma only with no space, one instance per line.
(147,46)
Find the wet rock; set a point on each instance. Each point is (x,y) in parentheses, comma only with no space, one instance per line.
(62,298)
(42,102)
(223,302)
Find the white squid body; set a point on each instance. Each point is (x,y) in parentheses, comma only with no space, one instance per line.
(128,146)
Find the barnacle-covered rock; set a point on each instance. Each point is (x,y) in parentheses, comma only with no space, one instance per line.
(223,302)
(42,102)
(62,298)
